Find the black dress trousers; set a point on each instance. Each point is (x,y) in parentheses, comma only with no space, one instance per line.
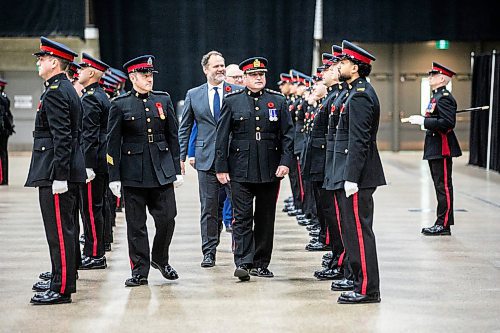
(254,247)
(359,239)
(58,213)
(161,204)
(443,185)
(93,209)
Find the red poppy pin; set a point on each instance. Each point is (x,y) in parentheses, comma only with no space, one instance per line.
(270,105)
(228,88)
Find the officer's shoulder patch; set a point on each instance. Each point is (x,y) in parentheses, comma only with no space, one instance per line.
(54,85)
(234,92)
(158,92)
(120,96)
(274,92)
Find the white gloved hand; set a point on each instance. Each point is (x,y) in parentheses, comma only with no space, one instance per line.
(416,120)
(90,174)
(350,188)
(59,186)
(179,181)
(116,188)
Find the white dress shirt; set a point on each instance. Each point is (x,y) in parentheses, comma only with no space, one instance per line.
(211,93)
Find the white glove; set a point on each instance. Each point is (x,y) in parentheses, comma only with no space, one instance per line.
(90,174)
(116,188)
(416,120)
(350,188)
(179,181)
(59,186)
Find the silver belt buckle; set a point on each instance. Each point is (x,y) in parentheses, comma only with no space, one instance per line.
(257,136)
(150,138)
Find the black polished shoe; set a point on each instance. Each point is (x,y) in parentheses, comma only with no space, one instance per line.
(242,272)
(288,200)
(82,239)
(45,276)
(107,247)
(167,271)
(288,208)
(314,233)
(43,285)
(342,285)
(352,297)
(301,217)
(330,274)
(318,246)
(93,263)
(294,212)
(229,228)
(305,223)
(328,255)
(50,297)
(136,280)
(314,240)
(261,272)
(436,230)
(208,260)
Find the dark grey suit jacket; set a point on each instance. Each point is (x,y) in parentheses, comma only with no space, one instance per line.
(196,108)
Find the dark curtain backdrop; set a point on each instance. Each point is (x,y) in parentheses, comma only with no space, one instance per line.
(396,21)
(178,33)
(28,18)
(481,84)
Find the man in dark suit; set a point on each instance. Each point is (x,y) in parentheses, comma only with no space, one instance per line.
(254,151)
(6,130)
(203,105)
(143,155)
(441,145)
(357,173)
(57,168)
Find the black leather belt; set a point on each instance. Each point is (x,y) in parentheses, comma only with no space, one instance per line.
(47,134)
(141,138)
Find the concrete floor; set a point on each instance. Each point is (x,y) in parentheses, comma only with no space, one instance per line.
(446,284)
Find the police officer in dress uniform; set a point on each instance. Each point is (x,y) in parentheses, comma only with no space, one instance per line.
(325,200)
(253,152)
(357,173)
(294,201)
(441,145)
(336,261)
(57,168)
(6,130)
(143,156)
(96,107)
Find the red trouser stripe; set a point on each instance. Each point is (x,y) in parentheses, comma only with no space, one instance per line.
(361,243)
(131,263)
(447,191)
(61,243)
(300,181)
(92,220)
(337,212)
(117,202)
(1,172)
